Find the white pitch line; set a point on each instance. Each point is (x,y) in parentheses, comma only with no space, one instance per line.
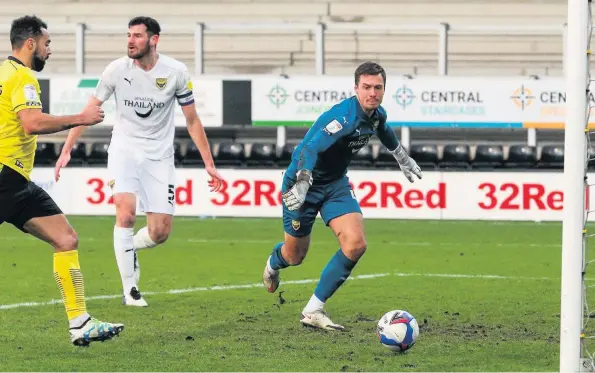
(284,283)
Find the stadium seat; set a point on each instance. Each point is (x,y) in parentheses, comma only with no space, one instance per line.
(521,156)
(45,154)
(488,157)
(192,157)
(230,154)
(98,155)
(262,155)
(177,153)
(426,156)
(363,159)
(552,157)
(285,157)
(385,159)
(78,155)
(455,157)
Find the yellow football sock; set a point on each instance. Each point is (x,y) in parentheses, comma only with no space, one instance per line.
(67,272)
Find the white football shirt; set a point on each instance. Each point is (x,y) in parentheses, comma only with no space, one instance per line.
(145,103)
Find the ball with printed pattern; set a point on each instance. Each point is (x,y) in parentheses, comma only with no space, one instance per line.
(397,330)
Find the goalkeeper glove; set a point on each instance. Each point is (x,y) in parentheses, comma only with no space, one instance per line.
(407,164)
(295,197)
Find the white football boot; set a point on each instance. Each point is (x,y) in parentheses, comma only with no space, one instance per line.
(320,320)
(270,279)
(94,330)
(134,298)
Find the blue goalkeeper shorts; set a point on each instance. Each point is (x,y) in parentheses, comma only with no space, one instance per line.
(331,200)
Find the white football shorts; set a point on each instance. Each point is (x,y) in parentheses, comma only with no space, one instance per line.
(152,181)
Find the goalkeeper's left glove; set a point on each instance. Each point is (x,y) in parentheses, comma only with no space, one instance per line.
(295,197)
(407,164)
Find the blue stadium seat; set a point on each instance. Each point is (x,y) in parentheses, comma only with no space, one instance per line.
(552,157)
(45,154)
(488,157)
(98,155)
(78,155)
(192,157)
(230,154)
(262,155)
(455,157)
(425,155)
(285,157)
(363,159)
(521,157)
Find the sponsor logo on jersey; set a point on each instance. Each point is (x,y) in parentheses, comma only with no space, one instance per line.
(143,106)
(161,82)
(356,145)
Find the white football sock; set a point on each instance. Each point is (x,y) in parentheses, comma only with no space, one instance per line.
(314,305)
(124,250)
(78,321)
(142,240)
(270,270)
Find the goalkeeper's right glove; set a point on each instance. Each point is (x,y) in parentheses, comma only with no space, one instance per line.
(295,197)
(407,164)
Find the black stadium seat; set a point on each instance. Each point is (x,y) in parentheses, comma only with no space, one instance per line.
(192,157)
(78,155)
(521,156)
(455,157)
(426,155)
(230,154)
(262,155)
(177,153)
(363,158)
(45,154)
(98,155)
(488,157)
(385,159)
(285,157)
(552,156)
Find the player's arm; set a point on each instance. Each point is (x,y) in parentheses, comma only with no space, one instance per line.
(328,131)
(196,129)
(388,138)
(75,133)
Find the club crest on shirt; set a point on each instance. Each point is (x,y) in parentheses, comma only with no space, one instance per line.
(161,82)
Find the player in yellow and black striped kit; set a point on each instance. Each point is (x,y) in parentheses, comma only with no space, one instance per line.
(24,204)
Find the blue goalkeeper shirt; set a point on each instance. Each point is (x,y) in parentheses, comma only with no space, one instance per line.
(336,136)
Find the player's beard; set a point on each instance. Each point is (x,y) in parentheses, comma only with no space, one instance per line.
(38,62)
(140,54)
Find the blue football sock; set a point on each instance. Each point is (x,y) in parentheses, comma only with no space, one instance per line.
(333,276)
(277,262)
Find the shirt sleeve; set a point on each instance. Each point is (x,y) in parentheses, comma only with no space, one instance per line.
(107,82)
(386,135)
(328,130)
(26,92)
(184,93)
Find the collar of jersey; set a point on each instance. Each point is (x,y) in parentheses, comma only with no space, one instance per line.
(12,58)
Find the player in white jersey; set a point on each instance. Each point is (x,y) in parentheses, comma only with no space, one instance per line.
(146,86)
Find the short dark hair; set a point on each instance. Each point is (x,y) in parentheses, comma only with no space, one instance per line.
(369,68)
(24,28)
(151,24)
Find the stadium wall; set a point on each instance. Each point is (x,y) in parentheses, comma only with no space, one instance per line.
(522,196)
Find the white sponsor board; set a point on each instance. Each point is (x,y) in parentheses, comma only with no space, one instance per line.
(69,94)
(531,196)
(491,102)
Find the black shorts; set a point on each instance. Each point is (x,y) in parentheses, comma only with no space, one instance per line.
(22,200)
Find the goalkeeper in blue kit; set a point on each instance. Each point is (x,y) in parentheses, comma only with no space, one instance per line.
(316,181)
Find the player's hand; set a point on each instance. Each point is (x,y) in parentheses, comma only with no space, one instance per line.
(295,197)
(62,162)
(216,179)
(406,163)
(92,115)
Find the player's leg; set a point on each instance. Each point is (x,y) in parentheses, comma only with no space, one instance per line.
(42,218)
(124,181)
(341,212)
(298,226)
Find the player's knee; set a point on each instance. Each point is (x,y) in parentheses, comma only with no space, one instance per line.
(125,219)
(295,252)
(159,235)
(67,242)
(353,244)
